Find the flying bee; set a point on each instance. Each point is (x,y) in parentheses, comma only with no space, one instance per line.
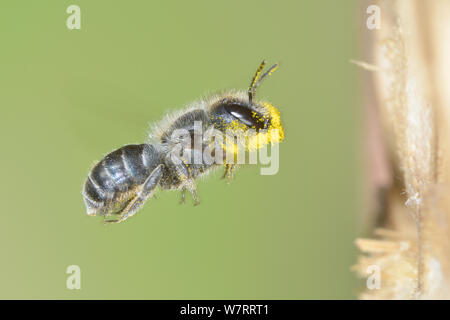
(123,180)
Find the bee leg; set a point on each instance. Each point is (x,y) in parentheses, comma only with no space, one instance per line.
(228,172)
(190,185)
(225,173)
(183,195)
(144,192)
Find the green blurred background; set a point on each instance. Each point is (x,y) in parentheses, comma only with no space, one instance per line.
(68,97)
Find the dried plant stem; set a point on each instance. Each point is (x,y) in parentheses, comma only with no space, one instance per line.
(410,54)
(419,224)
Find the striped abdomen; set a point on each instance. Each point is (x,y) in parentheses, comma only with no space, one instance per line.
(111,182)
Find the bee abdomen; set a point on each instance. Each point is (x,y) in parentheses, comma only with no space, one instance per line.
(118,172)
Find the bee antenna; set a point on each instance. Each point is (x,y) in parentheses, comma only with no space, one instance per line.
(251,91)
(257,79)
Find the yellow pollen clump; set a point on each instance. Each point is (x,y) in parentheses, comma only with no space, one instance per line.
(273,134)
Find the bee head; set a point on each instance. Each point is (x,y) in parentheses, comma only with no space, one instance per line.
(240,112)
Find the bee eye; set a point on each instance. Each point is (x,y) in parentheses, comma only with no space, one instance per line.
(245,115)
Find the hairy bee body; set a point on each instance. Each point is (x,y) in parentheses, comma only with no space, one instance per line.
(124,179)
(114,181)
(118,173)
